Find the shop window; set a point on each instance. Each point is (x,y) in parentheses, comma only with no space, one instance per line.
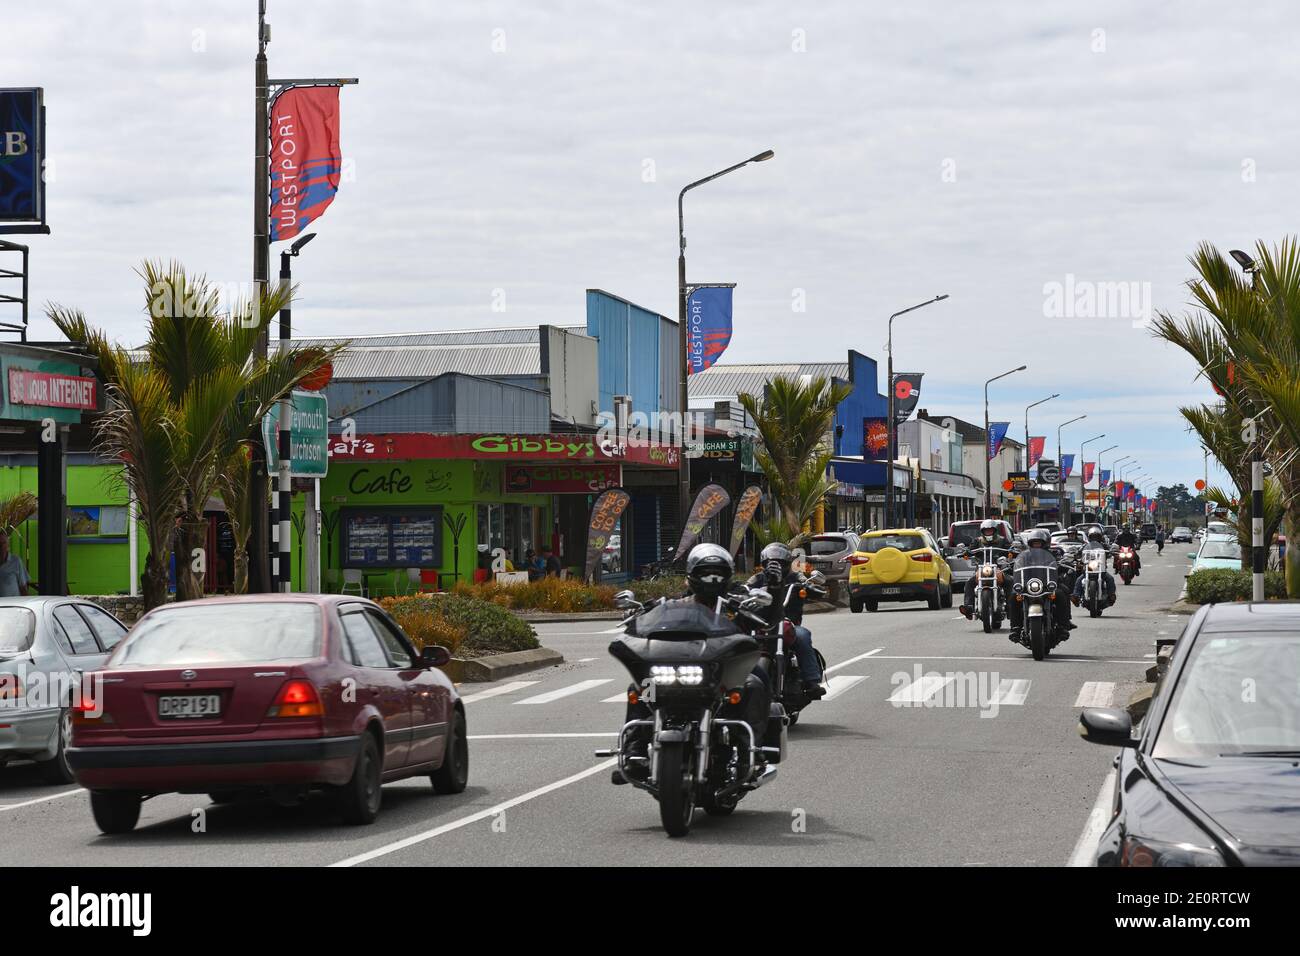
(88,521)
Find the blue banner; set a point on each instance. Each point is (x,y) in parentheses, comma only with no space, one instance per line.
(708,327)
(997,433)
(1105,477)
(1067,466)
(22,152)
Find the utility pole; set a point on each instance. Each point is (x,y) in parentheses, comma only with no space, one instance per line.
(259,565)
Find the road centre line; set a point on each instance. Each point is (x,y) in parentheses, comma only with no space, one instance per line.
(1086,847)
(853,660)
(603,733)
(1009,657)
(28,803)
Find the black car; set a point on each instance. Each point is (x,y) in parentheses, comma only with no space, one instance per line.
(1210,779)
(1148,532)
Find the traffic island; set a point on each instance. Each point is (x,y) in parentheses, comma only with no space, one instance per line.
(496,667)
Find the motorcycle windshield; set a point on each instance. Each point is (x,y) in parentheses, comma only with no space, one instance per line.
(682,620)
(1044,573)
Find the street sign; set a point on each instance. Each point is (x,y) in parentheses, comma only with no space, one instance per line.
(1049,474)
(308,436)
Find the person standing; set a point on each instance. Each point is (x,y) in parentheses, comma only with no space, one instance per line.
(13,573)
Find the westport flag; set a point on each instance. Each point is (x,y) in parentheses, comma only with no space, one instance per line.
(1105,477)
(708,326)
(306,161)
(1088,468)
(1036,443)
(1067,466)
(997,434)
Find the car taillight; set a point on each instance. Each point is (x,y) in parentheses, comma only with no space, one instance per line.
(11,687)
(925,556)
(88,708)
(856,559)
(297,698)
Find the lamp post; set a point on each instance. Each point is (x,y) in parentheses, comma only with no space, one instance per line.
(683,337)
(1101,492)
(1083,483)
(1114,469)
(1123,472)
(988,461)
(1258,554)
(890,429)
(1060,464)
(1027,408)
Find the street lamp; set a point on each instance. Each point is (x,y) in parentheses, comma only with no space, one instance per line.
(1258,555)
(684,468)
(1060,464)
(1115,469)
(1101,492)
(890,430)
(1083,484)
(988,462)
(1027,408)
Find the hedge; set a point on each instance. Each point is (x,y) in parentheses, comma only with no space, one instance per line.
(1219,585)
(465,625)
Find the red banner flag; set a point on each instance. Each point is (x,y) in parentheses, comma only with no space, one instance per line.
(305,157)
(1036,449)
(1088,468)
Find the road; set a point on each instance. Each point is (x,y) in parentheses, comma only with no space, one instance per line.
(877,774)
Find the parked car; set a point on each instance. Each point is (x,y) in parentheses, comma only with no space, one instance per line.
(1148,532)
(267,694)
(829,553)
(1181,535)
(1216,551)
(963,535)
(1208,779)
(904,564)
(1051,527)
(45,645)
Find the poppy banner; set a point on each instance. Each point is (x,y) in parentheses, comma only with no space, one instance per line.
(907,392)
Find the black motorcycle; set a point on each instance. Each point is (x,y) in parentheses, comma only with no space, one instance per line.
(777,639)
(990,604)
(712,735)
(1035,588)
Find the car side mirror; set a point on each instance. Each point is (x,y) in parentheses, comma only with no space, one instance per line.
(434,655)
(817,579)
(626,601)
(1109,726)
(1192,555)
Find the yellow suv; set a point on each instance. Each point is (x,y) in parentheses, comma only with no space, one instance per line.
(903,564)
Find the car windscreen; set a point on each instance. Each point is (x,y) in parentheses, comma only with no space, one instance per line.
(17,626)
(903,542)
(1221,549)
(833,545)
(1238,692)
(964,534)
(235,633)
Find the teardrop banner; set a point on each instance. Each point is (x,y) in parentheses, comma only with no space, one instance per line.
(745,508)
(709,502)
(605,513)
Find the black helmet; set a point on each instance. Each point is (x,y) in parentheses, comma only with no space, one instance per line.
(776,559)
(708,570)
(1095,533)
(1037,536)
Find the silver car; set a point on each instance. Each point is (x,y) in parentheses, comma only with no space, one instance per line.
(45,645)
(828,553)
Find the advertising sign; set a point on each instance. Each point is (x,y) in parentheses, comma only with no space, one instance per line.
(50,389)
(22,155)
(605,513)
(907,392)
(561,479)
(708,326)
(708,503)
(497,447)
(745,508)
(306,161)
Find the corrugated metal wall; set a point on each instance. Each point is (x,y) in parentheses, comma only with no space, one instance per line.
(459,404)
(632,352)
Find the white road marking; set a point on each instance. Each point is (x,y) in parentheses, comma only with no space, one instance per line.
(1095,693)
(28,803)
(552,695)
(585,660)
(1085,849)
(1012,657)
(1011,693)
(1148,656)
(853,660)
(538,736)
(838,685)
(475,817)
(511,687)
(920,690)
(616,699)
(613,630)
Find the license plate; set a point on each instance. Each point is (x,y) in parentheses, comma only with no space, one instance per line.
(891,590)
(183,706)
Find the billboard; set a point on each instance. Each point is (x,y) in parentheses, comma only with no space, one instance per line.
(22,155)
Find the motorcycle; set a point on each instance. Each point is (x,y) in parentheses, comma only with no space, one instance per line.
(1035,587)
(660,569)
(709,743)
(1095,596)
(990,603)
(1126,563)
(778,661)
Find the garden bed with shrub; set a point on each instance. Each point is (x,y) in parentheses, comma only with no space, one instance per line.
(568,595)
(467,626)
(1220,585)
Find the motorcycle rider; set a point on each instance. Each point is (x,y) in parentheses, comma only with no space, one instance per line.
(1127,539)
(709,568)
(776,576)
(991,536)
(1096,542)
(1038,554)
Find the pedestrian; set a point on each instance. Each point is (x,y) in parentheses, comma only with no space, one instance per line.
(550,562)
(13,574)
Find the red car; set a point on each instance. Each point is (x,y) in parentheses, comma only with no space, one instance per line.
(273,694)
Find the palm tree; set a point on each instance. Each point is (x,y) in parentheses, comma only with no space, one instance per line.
(794,420)
(1244,333)
(197,398)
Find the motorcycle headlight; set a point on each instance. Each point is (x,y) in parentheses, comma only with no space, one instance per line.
(687,675)
(1092,565)
(1035,586)
(987,570)
(1140,851)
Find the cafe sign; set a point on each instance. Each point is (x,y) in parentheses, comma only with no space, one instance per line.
(561,479)
(575,448)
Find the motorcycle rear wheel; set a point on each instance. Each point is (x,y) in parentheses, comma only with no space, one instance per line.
(676,790)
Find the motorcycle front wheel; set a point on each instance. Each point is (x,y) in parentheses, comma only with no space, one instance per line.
(1037,638)
(676,790)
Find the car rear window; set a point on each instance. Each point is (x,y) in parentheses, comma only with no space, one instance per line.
(903,542)
(832,545)
(17,625)
(1221,549)
(963,534)
(235,633)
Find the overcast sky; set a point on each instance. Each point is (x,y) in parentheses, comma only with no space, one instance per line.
(981,150)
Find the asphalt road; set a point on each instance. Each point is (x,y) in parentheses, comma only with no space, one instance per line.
(916,779)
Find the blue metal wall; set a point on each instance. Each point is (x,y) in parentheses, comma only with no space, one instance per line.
(630,340)
(864,402)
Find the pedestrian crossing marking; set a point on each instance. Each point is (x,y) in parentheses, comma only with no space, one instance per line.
(839,684)
(497,691)
(1095,693)
(1011,693)
(552,695)
(920,690)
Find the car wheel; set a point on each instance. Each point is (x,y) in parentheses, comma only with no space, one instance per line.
(947,596)
(453,775)
(115,811)
(359,798)
(935,600)
(872,605)
(56,769)
(855,605)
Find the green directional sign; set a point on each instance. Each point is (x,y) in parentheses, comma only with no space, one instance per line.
(308,436)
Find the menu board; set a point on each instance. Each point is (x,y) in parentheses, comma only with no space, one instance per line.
(392,537)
